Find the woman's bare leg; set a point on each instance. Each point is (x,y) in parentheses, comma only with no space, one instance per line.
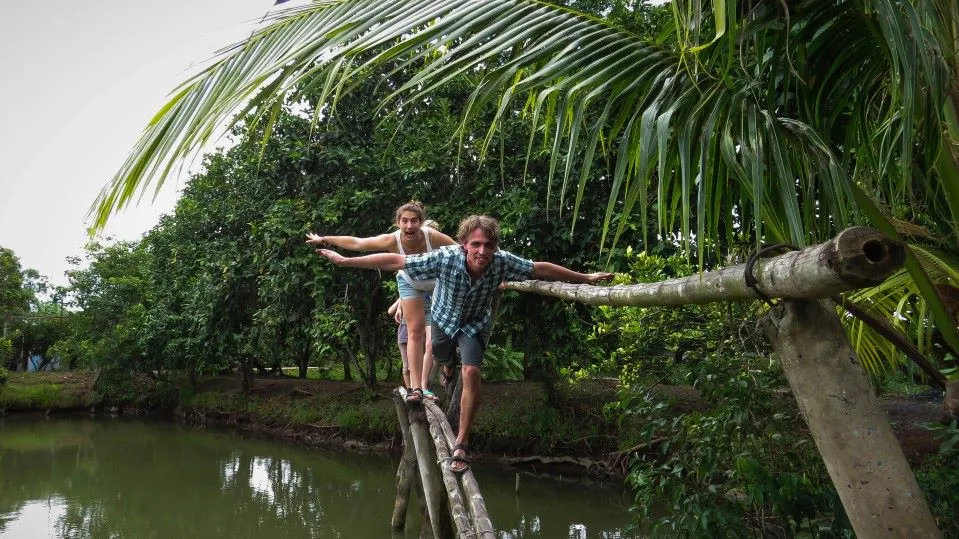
(428,365)
(406,363)
(416,330)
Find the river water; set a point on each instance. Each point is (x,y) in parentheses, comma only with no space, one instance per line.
(72,477)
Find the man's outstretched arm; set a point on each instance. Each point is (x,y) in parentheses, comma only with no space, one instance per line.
(380,261)
(547,271)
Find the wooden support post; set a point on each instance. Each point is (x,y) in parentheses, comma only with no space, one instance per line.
(435,492)
(863,457)
(405,473)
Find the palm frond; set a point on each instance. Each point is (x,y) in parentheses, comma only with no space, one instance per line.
(689,131)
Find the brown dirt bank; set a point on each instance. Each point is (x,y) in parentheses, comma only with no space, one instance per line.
(514,425)
(506,430)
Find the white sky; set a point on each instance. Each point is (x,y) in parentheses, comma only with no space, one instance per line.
(79,82)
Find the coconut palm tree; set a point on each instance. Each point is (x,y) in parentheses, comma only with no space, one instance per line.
(773,121)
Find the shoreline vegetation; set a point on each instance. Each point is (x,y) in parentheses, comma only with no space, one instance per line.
(516,426)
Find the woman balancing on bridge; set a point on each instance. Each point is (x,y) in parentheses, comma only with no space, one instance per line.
(466,276)
(411,238)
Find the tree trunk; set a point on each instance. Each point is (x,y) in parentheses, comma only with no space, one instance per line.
(457,507)
(304,361)
(863,457)
(951,403)
(370,371)
(856,258)
(347,374)
(246,371)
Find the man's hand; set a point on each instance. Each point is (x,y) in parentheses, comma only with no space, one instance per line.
(599,276)
(314,239)
(334,256)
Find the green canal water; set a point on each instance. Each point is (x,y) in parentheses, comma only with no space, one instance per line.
(121,478)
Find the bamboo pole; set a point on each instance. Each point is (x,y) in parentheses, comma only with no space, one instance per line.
(406,470)
(482,524)
(861,453)
(434,491)
(461,520)
(857,257)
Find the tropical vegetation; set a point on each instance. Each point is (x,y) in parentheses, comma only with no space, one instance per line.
(652,141)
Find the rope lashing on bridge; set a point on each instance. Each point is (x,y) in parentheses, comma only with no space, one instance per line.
(750,277)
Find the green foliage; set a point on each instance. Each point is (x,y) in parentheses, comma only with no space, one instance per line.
(939,479)
(6,353)
(14,297)
(649,341)
(502,362)
(3,374)
(742,465)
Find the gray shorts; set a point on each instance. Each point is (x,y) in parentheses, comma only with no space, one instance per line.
(471,348)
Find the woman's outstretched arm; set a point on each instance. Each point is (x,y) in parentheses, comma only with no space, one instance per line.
(383,242)
(380,261)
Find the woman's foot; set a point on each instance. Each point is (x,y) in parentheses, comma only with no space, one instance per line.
(415,395)
(428,394)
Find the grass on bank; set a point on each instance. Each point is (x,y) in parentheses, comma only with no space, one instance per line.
(47,391)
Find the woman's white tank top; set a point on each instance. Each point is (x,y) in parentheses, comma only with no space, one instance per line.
(424,284)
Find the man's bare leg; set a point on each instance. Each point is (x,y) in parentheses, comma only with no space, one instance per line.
(469,402)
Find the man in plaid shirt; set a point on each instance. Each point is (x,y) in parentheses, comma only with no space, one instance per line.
(467,276)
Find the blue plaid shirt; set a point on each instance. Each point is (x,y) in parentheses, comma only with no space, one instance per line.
(459,302)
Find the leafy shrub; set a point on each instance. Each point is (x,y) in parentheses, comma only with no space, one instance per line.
(939,479)
(649,341)
(3,375)
(114,385)
(744,466)
(6,354)
(502,362)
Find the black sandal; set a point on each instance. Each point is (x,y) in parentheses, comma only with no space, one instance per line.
(447,379)
(415,395)
(464,458)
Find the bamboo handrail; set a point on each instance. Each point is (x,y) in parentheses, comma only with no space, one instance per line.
(857,257)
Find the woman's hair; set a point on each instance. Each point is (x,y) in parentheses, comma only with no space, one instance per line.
(412,206)
(480,222)
(432,224)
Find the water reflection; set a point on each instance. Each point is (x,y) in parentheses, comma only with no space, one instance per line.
(114,478)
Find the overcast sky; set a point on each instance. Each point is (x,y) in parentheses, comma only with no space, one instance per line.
(80,81)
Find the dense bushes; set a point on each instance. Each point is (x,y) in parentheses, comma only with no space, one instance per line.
(742,465)
(650,341)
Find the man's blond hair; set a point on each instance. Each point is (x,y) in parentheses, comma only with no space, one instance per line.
(478,222)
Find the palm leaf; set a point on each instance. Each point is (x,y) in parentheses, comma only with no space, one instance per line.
(762,128)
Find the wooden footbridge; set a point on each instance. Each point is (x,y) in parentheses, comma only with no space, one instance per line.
(864,459)
(454,506)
